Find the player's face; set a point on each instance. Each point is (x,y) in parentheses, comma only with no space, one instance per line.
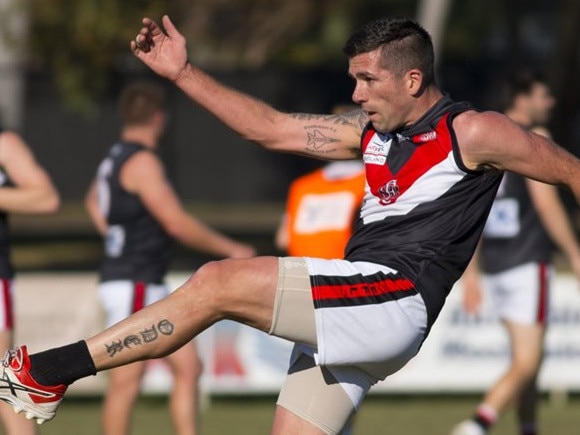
(541,102)
(381,94)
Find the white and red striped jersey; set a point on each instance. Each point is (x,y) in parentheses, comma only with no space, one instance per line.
(423,211)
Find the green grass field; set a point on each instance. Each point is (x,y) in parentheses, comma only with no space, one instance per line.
(408,415)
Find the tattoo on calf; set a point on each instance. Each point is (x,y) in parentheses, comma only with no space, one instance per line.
(147,335)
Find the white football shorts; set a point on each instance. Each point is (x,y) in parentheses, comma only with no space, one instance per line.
(521,294)
(120,299)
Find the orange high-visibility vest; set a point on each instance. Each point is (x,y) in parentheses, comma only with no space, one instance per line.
(321,211)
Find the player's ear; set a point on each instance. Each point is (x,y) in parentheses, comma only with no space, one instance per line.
(414,81)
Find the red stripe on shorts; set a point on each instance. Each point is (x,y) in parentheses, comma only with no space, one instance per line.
(7,297)
(138,296)
(543,290)
(362,290)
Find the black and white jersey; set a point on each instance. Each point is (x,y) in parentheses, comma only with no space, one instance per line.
(423,211)
(514,234)
(137,248)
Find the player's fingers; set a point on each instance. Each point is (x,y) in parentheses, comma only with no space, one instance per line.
(151,25)
(171,30)
(141,42)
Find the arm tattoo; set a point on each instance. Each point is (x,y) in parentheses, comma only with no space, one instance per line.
(322,135)
(356,118)
(147,335)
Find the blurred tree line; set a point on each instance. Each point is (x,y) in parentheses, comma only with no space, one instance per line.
(82,44)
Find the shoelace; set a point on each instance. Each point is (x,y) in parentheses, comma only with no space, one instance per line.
(8,357)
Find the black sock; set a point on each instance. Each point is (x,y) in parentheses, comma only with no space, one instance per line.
(62,365)
(485,424)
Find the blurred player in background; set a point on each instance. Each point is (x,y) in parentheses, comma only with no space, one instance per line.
(321,208)
(135,208)
(515,256)
(25,187)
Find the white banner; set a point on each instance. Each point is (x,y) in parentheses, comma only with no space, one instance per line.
(465,353)
(462,353)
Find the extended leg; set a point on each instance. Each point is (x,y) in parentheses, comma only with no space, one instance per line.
(238,289)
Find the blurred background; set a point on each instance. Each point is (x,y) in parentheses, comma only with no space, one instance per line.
(63,63)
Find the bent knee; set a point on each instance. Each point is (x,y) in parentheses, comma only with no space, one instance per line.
(206,274)
(207,283)
(525,370)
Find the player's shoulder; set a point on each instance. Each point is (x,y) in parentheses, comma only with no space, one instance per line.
(472,126)
(481,136)
(475,120)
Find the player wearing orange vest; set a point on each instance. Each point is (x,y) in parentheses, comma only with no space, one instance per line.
(320,210)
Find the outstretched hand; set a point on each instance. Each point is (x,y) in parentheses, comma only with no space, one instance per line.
(164,53)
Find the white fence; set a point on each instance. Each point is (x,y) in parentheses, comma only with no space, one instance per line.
(462,354)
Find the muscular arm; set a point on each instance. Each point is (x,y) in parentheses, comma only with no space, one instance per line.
(329,137)
(493,140)
(33,191)
(143,175)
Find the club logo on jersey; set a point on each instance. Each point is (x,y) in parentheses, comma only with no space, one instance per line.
(425,137)
(388,193)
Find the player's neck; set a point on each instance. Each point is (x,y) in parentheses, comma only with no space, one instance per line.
(519,117)
(142,135)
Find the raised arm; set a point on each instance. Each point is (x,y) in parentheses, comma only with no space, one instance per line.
(328,137)
(494,140)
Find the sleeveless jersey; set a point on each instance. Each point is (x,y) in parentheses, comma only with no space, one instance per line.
(6,268)
(513,234)
(137,248)
(321,209)
(423,211)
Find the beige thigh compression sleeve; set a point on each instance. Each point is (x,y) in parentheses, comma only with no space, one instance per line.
(293,316)
(312,393)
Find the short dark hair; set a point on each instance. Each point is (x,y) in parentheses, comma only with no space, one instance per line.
(139,101)
(405,45)
(517,82)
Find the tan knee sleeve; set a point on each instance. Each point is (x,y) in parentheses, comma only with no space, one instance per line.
(293,316)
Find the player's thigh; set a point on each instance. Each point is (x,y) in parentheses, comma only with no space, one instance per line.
(325,397)
(242,289)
